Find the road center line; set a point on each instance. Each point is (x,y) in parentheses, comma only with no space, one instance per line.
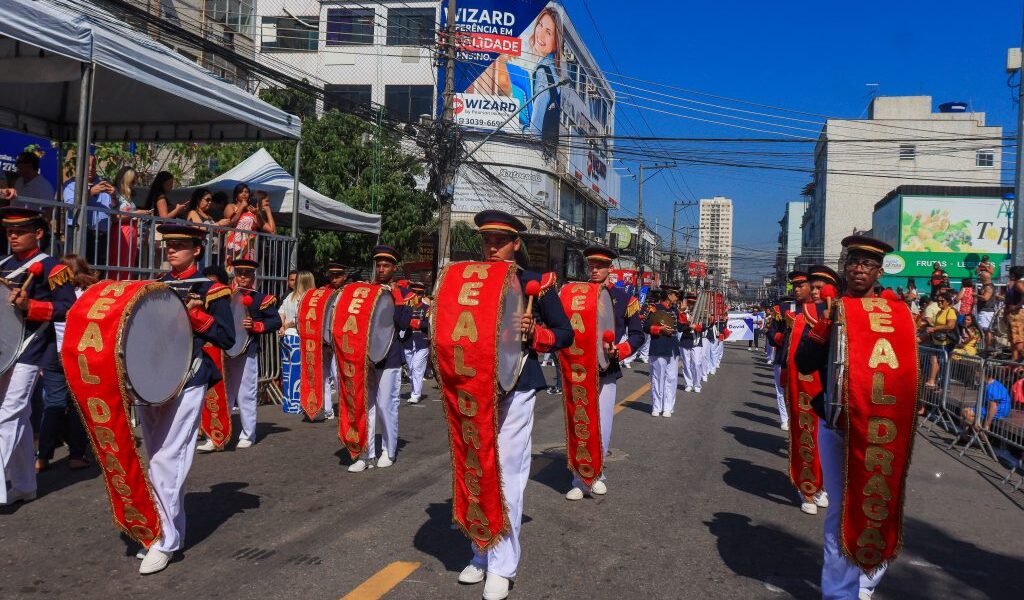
(382,581)
(632,397)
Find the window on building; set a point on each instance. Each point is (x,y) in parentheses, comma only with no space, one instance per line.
(290,33)
(908,151)
(411,27)
(349,27)
(408,102)
(590,217)
(236,14)
(565,204)
(985,158)
(347,97)
(577,211)
(602,222)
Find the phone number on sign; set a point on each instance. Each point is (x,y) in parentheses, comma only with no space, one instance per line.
(491,123)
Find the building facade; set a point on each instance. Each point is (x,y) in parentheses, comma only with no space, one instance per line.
(714,240)
(790,241)
(902,142)
(383,54)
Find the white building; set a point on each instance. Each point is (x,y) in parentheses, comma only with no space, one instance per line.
(714,242)
(790,240)
(902,142)
(383,53)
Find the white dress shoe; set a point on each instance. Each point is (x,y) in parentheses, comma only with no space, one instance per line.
(655,413)
(496,587)
(696,390)
(599,488)
(155,561)
(357,467)
(785,426)
(574,494)
(414,399)
(667,414)
(384,461)
(243,443)
(472,574)
(821,499)
(864,595)
(207,446)
(688,389)
(329,417)
(809,508)
(15,496)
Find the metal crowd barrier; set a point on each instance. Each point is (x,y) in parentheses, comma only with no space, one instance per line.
(124,245)
(934,364)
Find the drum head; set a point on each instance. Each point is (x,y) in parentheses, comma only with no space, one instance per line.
(332,303)
(605,322)
(156,347)
(511,356)
(12,330)
(238,314)
(382,327)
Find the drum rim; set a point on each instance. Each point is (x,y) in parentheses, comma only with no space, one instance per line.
(373,311)
(601,290)
(328,319)
(21,321)
(248,335)
(510,277)
(122,372)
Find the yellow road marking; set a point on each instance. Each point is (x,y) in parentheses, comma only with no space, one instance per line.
(632,397)
(382,581)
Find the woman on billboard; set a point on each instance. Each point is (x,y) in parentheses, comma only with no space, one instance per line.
(546,45)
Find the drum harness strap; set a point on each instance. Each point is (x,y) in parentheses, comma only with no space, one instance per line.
(37,258)
(177,285)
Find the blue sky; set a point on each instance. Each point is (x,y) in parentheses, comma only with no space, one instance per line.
(808,56)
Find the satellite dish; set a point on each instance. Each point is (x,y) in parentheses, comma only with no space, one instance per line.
(623,236)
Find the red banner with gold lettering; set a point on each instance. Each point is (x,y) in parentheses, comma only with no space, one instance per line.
(464,343)
(95,373)
(880,404)
(311,315)
(351,331)
(215,422)
(581,379)
(804,463)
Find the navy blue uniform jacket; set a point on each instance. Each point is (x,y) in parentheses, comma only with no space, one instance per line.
(552,332)
(662,345)
(50,297)
(211,322)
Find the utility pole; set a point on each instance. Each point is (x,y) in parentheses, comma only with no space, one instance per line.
(672,248)
(640,213)
(446,177)
(1017,249)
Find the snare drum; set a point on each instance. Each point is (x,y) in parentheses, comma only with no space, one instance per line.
(605,322)
(382,328)
(332,303)
(239,312)
(12,330)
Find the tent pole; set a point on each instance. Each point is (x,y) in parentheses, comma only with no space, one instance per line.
(82,157)
(295,206)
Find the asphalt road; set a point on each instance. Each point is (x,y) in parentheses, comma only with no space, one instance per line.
(699,506)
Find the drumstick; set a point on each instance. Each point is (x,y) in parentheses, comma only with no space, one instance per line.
(34,269)
(608,336)
(532,290)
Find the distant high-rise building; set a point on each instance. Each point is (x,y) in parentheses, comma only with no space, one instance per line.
(714,241)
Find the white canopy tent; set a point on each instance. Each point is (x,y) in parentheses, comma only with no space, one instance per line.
(261,172)
(78,73)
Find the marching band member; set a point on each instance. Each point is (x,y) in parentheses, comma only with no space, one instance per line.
(662,324)
(690,349)
(501,242)
(386,380)
(44,299)
(627,324)
(415,344)
(242,372)
(855,575)
(336,278)
(170,430)
(779,333)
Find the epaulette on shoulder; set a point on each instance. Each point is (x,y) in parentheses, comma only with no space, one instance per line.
(216,292)
(632,308)
(400,298)
(59,275)
(268,301)
(548,281)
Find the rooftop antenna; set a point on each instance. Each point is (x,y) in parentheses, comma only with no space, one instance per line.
(873,89)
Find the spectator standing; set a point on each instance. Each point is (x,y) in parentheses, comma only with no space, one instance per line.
(1013,315)
(985,266)
(199,207)
(125,250)
(912,297)
(291,365)
(242,215)
(986,305)
(940,334)
(157,199)
(30,184)
(965,297)
(97,220)
(938,279)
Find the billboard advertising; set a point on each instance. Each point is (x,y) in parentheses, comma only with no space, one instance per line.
(13,143)
(507,53)
(958,225)
(958,265)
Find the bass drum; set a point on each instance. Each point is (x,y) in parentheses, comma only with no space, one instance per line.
(242,337)
(511,349)
(12,330)
(332,303)
(155,346)
(382,327)
(605,322)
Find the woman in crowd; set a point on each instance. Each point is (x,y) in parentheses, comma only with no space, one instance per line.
(124,251)
(940,334)
(200,211)
(965,297)
(59,421)
(291,367)
(970,336)
(162,185)
(911,297)
(241,214)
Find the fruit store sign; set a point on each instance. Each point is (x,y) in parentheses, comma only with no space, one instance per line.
(958,225)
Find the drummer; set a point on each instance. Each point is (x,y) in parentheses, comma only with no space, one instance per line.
(386,379)
(415,343)
(169,430)
(627,325)
(500,233)
(242,372)
(336,279)
(664,353)
(690,347)
(40,301)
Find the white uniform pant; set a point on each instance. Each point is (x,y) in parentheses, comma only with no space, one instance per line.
(719,350)
(606,410)
(17,458)
(692,371)
(840,578)
(780,399)
(664,379)
(417,361)
(331,385)
(705,359)
(515,430)
(383,387)
(241,380)
(169,432)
